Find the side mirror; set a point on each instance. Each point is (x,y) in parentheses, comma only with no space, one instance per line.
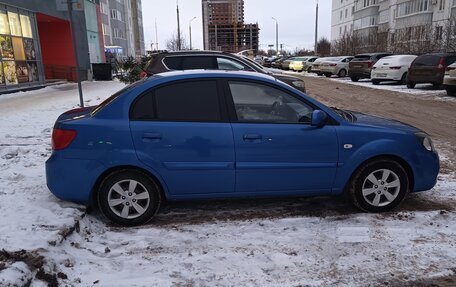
(318,118)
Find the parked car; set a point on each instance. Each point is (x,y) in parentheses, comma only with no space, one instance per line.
(361,65)
(267,62)
(287,62)
(277,63)
(307,65)
(229,134)
(316,66)
(429,68)
(297,63)
(449,80)
(213,60)
(335,66)
(392,68)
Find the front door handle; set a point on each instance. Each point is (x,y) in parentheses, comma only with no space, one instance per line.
(252,137)
(152,136)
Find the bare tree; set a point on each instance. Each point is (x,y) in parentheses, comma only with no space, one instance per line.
(323,47)
(172,43)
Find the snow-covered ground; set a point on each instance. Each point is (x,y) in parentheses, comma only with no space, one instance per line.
(278,242)
(421,90)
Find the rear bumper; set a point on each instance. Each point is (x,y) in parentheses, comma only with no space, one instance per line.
(72,179)
(331,70)
(388,75)
(449,81)
(359,74)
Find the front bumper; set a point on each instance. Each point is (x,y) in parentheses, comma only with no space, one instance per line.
(426,166)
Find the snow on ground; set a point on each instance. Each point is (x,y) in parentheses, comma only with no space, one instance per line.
(275,242)
(421,90)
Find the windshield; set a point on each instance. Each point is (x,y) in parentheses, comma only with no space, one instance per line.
(258,66)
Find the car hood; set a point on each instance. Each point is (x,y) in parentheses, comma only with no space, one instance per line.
(376,121)
(284,77)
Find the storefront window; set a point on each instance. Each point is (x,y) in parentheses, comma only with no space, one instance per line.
(4,25)
(18,58)
(15,25)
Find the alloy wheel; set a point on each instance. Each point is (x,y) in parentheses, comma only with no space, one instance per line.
(381,187)
(128,199)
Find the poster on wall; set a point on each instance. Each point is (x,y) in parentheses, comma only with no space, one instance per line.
(22,72)
(9,70)
(32,71)
(6,46)
(29,49)
(4,25)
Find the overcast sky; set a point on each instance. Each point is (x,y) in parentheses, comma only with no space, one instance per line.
(296,21)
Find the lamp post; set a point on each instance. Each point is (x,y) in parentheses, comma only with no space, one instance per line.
(190,31)
(277,35)
(178,28)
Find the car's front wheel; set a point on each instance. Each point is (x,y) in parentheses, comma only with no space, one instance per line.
(129,198)
(379,186)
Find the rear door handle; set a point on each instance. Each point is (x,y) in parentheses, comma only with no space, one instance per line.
(152,136)
(252,137)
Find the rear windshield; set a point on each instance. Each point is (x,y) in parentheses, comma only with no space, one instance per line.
(427,60)
(362,58)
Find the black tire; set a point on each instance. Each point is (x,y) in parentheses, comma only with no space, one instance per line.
(354,79)
(342,73)
(360,178)
(403,80)
(411,85)
(451,92)
(319,74)
(145,185)
(328,75)
(375,82)
(309,69)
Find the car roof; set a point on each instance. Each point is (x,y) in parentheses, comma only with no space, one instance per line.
(212,74)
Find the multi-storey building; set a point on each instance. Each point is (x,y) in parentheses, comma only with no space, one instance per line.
(224,28)
(122,26)
(393,22)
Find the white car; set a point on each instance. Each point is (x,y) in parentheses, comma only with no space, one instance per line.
(335,66)
(391,68)
(449,80)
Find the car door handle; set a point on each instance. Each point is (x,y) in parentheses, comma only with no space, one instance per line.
(252,137)
(152,136)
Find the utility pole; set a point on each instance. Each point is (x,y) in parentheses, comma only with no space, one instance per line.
(75,48)
(316,29)
(178,29)
(156,34)
(190,31)
(277,35)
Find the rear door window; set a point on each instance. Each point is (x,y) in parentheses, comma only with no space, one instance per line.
(362,58)
(198,62)
(427,60)
(173,63)
(228,64)
(191,101)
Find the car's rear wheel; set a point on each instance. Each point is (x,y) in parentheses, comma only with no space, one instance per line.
(328,75)
(379,186)
(129,198)
(354,79)
(451,91)
(342,73)
(309,69)
(375,82)
(319,74)
(404,79)
(411,85)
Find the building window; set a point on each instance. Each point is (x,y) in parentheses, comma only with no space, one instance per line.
(442,4)
(365,22)
(346,12)
(361,4)
(411,7)
(438,32)
(340,30)
(340,15)
(115,14)
(103,8)
(106,29)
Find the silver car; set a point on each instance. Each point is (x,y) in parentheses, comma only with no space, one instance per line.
(335,66)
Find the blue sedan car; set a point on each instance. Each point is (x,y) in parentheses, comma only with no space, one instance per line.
(213,134)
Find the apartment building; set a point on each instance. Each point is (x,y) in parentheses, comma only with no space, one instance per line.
(122,26)
(224,28)
(394,20)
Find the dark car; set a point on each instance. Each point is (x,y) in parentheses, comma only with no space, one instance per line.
(277,63)
(212,60)
(429,68)
(361,65)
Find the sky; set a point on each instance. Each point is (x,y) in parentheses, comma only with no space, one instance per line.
(296,21)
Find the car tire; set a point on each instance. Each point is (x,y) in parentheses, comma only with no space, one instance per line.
(328,75)
(379,186)
(375,82)
(403,80)
(354,79)
(451,92)
(129,198)
(342,73)
(309,69)
(411,85)
(319,74)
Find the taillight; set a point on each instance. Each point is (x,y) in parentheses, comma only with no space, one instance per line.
(370,64)
(441,65)
(333,65)
(450,69)
(143,75)
(395,68)
(61,139)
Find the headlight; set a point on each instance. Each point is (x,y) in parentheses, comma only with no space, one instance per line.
(425,141)
(299,84)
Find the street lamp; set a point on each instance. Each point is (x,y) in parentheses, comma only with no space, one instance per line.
(190,31)
(277,34)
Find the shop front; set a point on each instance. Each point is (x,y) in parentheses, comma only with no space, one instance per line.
(20,57)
